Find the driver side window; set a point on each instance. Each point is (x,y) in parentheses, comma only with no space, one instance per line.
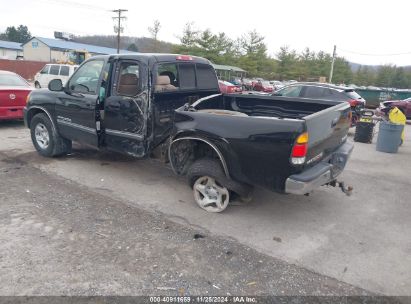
(85,80)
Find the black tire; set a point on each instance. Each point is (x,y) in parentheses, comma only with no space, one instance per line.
(56,145)
(37,85)
(205,167)
(212,167)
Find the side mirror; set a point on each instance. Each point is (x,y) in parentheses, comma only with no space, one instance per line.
(56,85)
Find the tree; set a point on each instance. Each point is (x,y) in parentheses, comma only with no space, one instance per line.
(132,47)
(385,75)
(20,34)
(287,60)
(399,80)
(155,29)
(254,57)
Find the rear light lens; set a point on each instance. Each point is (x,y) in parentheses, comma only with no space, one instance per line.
(300,149)
(353,102)
(184,57)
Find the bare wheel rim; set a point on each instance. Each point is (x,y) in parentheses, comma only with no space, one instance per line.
(42,136)
(209,195)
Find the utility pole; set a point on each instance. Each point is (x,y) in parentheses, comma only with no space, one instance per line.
(118,29)
(332,64)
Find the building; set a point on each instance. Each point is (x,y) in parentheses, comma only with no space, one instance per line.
(62,51)
(10,50)
(227,72)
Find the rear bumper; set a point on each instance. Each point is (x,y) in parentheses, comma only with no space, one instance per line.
(15,112)
(323,173)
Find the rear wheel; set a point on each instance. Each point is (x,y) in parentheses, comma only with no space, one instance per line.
(210,195)
(45,138)
(206,178)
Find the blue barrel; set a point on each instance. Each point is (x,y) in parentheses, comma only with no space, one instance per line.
(389,137)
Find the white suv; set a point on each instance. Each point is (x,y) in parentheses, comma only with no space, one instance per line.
(53,71)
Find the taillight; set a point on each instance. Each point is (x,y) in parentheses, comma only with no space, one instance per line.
(353,102)
(184,57)
(300,149)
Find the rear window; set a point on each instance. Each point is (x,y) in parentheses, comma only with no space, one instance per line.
(54,70)
(206,77)
(64,70)
(12,80)
(187,76)
(314,92)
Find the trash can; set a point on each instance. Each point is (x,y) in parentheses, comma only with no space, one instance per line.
(364,132)
(364,129)
(389,137)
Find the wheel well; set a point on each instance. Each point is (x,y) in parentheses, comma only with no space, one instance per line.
(184,151)
(32,113)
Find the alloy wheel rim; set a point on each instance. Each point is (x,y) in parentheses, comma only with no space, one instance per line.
(209,195)
(42,136)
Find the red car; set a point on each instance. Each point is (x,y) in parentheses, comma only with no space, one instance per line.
(263,86)
(13,93)
(404,105)
(227,87)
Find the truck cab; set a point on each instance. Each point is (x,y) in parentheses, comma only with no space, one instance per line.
(124,103)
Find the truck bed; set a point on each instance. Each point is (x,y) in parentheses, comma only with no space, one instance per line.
(267,106)
(256,133)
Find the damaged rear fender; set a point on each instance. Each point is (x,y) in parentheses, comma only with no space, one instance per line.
(184,151)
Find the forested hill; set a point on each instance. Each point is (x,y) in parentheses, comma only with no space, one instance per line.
(138,44)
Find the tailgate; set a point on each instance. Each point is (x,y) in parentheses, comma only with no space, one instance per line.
(327,131)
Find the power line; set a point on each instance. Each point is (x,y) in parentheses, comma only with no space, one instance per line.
(119,28)
(377,55)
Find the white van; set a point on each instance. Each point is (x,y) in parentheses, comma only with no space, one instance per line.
(53,71)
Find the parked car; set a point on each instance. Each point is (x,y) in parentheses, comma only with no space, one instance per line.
(223,143)
(327,92)
(276,84)
(14,90)
(263,86)
(404,105)
(247,84)
(53,71)
(227,87)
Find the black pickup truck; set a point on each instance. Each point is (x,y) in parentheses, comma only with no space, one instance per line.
(170,106)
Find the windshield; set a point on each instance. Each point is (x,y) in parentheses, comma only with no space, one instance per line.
(266,83)
(12,81)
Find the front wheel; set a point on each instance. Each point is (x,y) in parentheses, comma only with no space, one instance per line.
(45,139)
(37,85)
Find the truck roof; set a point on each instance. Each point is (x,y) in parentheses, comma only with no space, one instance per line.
(158,57)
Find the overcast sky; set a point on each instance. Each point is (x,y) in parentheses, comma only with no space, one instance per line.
(366,32)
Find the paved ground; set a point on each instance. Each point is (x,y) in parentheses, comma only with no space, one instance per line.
(363,240)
